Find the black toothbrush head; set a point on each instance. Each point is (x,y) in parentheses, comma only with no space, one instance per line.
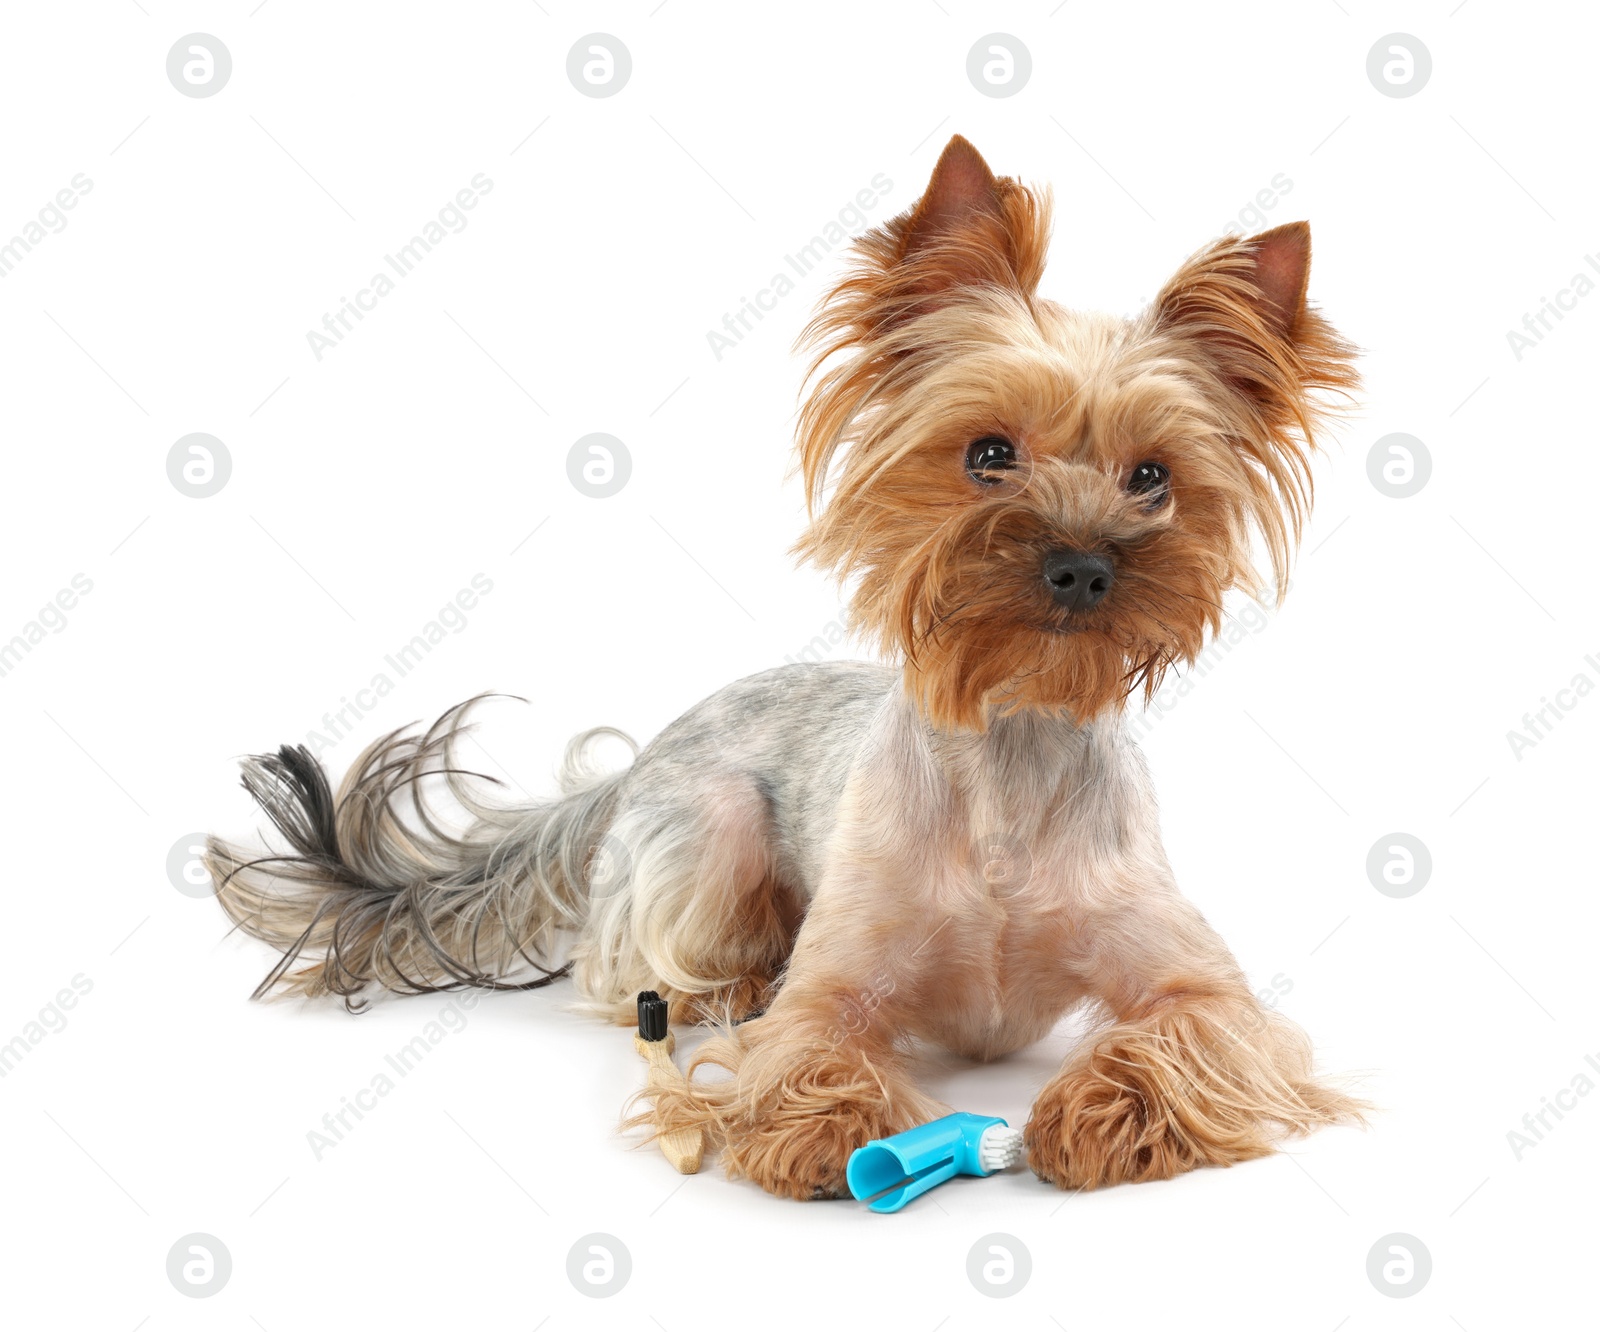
(652,1016)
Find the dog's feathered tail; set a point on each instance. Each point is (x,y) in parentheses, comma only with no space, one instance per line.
(374,890)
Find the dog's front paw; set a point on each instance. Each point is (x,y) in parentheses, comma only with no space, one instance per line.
(1108,1120)
(798,1112)
(1205,1085)
(802,1153)
(793,1108)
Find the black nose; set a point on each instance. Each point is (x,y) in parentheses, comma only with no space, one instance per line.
(1078,579)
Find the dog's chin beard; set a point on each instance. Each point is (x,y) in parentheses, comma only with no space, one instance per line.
(992,655)
(1094,634)
(1069,626)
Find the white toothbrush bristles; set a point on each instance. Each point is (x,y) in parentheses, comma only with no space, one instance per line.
(1000,1148)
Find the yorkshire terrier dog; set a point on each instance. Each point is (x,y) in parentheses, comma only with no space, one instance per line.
(1038,512)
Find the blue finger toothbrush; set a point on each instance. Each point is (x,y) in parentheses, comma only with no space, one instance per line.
(888,1173)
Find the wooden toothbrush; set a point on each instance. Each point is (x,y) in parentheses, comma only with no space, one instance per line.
(684,1148)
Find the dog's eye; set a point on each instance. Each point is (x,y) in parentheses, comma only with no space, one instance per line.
(1152,481)
(988,457)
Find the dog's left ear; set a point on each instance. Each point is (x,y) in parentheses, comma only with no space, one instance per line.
(1282,270)
(1242,304)
(1239,309)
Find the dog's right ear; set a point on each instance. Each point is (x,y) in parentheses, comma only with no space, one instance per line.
(969,229)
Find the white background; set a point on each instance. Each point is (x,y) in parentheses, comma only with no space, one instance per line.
(369,487)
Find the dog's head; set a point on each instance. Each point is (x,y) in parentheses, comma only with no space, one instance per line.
(1043,508)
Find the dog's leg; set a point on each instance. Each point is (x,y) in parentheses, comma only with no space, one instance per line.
(693,908)
(1194,1071)
(802,1095)
(819,1074)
